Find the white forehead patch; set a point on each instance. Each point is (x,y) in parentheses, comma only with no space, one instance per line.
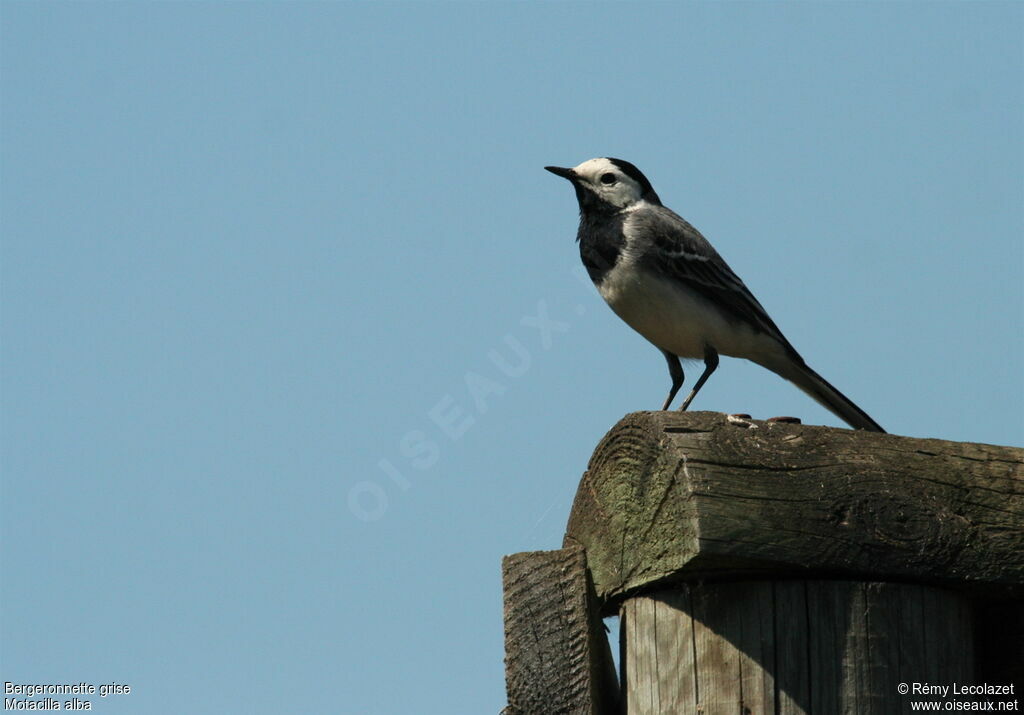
(623,192)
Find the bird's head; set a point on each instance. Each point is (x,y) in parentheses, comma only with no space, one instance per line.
(607,184)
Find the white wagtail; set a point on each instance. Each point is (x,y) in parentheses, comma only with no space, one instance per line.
(665,280)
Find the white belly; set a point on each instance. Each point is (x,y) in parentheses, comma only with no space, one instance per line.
(679,320)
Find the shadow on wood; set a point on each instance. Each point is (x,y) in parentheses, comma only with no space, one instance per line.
(791,646)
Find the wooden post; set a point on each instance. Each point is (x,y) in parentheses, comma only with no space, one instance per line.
(671,495)
(777,568)
(557,658)
(792,647)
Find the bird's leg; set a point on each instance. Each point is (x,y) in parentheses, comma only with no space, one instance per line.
(676,371)
(710,363)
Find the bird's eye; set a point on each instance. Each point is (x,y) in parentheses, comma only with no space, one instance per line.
(608,179)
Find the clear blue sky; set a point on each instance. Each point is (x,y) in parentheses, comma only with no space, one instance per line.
(258,260)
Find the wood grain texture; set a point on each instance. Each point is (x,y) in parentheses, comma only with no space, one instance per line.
(671,496)
(557,658)
(792,676)
(791,647)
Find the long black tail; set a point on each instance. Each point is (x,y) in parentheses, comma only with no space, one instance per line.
(797,372)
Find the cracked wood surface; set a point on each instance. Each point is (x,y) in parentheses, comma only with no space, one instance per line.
(557,658)
(672,496)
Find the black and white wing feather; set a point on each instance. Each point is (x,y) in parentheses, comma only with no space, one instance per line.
(679,252)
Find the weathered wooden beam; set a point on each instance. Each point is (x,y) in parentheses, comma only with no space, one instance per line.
(680,496)
(557,658)
(792,647)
